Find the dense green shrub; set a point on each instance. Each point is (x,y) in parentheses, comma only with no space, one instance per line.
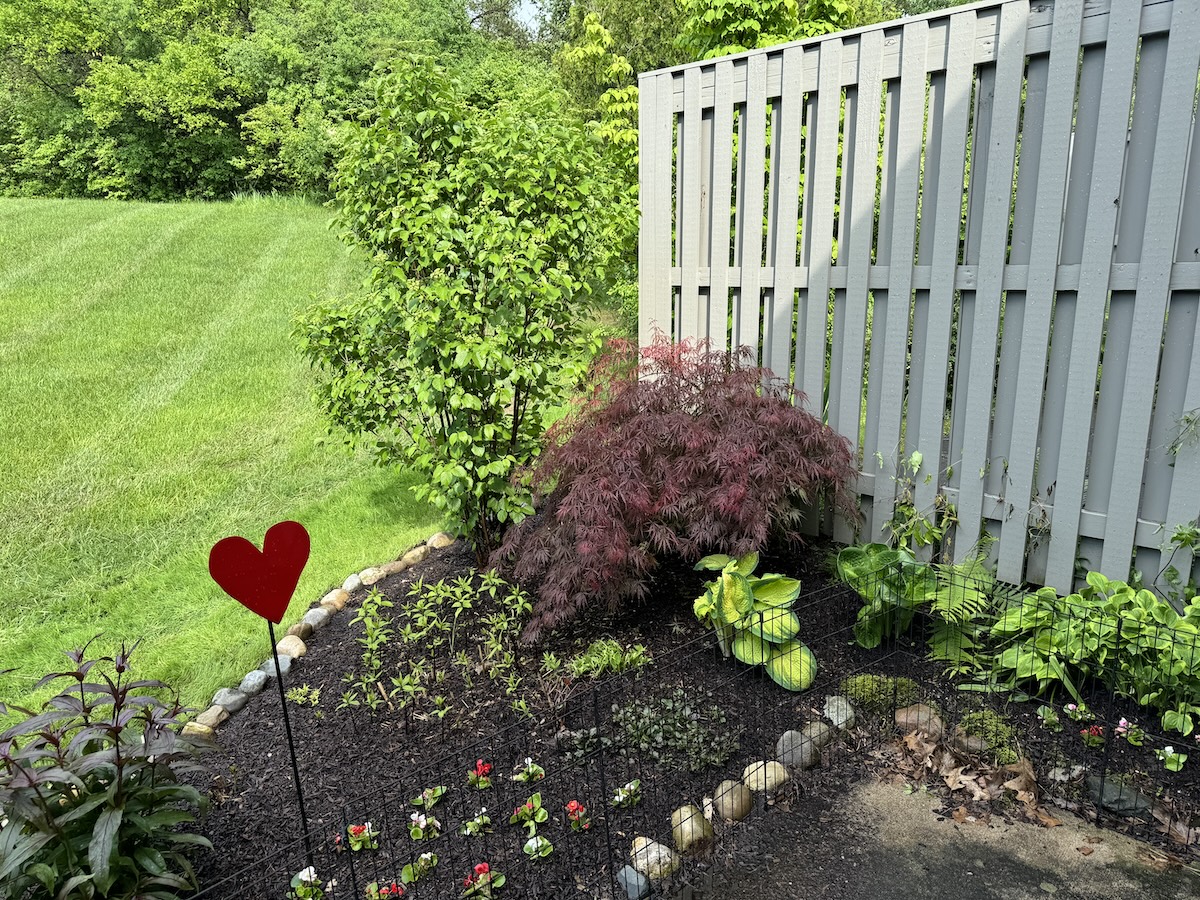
(90,787)
(690,451)
(483,225)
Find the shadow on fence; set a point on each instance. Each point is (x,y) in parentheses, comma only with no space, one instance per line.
(703,719)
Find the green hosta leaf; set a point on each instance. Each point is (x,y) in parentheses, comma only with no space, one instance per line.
(747,564)
(861,566)
(705,605)
(868,627)
(774,590)
(793,666)
(774,625)
(715,562)
(736,597)
(751,649)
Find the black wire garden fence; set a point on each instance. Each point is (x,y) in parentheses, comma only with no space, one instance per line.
(655,761)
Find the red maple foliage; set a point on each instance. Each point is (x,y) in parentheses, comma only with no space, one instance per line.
(689,451)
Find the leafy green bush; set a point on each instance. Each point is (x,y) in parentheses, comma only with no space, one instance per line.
(752,618)
(90,787)
(675,731)
(894,584)
(483,225)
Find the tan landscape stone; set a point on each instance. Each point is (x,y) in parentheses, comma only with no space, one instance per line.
(291,646)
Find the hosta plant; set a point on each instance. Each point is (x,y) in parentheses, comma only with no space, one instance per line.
(753,620)
(90,791)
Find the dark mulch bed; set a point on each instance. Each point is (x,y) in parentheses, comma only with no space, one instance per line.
(358,765)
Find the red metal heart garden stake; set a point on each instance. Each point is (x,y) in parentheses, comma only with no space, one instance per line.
(263,581)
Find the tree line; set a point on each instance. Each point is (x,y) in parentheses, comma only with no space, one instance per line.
(200,99)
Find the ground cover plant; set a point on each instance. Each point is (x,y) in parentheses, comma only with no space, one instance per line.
(687,452)
(157,406)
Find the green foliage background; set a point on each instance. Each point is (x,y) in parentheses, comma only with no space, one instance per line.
(199,99)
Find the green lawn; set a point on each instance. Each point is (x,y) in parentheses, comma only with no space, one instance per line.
(152,403)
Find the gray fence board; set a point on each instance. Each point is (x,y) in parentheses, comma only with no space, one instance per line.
(722,205)
(1165,193)
(899,230)
(1060,69)
(855,252)
(692,202)
(787,199)
(1117,81)
(951,131)
(654,244)
(997,198)
(981,350)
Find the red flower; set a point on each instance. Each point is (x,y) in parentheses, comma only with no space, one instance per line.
(356,830)
(482,869)
(482,769)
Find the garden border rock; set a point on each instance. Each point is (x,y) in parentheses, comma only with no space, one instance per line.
(227,701)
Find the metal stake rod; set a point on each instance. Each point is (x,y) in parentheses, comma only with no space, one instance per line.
(287,727)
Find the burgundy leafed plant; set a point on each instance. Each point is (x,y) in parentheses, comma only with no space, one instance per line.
(688,452)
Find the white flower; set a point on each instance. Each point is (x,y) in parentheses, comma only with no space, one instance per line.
(308,876)
(418,819)
(425,857)
(529,760)
(1169,751)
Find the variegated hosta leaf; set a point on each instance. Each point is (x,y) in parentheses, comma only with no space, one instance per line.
(715,562)
(747,564)
(751,649)
(736,597)
(774,591)
(793,666)
(774,625)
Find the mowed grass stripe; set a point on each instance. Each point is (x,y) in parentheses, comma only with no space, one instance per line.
(27,228)
(182,414)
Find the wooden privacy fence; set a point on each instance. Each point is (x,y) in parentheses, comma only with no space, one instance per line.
(973,234)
